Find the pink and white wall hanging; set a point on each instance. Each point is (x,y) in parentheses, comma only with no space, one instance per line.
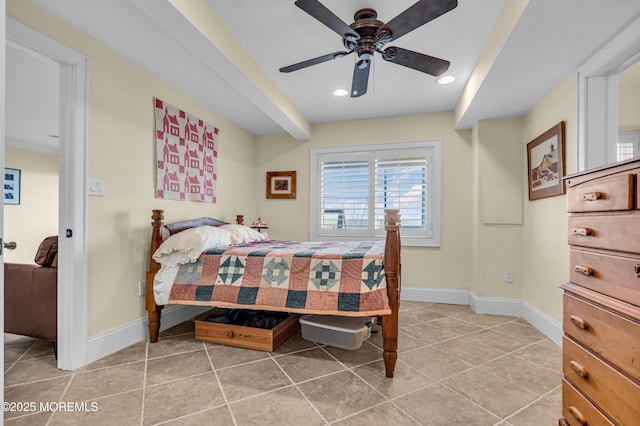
(187,153)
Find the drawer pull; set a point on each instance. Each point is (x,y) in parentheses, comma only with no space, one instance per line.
(637,270)
(583,232)
(578,368)
(584,270)
(578,415)
(579,322)
(231,334)
(592,196)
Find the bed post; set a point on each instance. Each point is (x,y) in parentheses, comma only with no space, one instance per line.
(154,310)
(392,273)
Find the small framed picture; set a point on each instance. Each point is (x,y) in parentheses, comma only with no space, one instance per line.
(11,186)
(281,184)
(545,158)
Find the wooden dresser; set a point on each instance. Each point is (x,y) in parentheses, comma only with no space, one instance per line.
(601,320)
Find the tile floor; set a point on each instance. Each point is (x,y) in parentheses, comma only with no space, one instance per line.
(454,368)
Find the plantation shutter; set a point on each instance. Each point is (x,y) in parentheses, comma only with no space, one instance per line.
(351,187)
(344,192)
(401,183)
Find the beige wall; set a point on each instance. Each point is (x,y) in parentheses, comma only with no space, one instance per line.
(498,221)
(545,251)
(447,266)
(629,99)
(36,217)
(121,151)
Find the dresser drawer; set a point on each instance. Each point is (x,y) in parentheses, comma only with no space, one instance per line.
(605,194)
(610,232)
(614,276)
(578,411)
(612,336)
(596,380)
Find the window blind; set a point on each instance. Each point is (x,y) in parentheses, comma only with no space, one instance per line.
(352,186)
(402,183)
(344,194)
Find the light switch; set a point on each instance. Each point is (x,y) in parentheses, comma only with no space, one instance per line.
(96,187)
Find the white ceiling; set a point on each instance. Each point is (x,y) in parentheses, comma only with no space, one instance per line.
(549,42)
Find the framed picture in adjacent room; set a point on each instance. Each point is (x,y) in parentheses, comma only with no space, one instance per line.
(281,184)
(545,159)
(11,186)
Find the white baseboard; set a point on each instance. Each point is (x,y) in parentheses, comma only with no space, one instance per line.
(495,306)
(488,305)
(436,295)
(114,340)
(544,323)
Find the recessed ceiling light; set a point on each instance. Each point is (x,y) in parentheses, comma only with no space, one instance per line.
(446,79)
(341,92)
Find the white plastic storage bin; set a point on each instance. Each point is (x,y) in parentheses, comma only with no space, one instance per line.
(342,332)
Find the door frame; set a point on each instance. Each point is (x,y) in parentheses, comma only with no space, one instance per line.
(598,97)
(3,73)
(72,222)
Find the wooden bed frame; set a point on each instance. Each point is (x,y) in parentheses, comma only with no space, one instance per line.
(392,273)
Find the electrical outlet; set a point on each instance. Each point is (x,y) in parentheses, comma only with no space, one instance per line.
(508,275)
(142,288)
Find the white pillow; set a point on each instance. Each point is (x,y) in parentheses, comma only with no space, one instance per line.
(186,246)
(242,234)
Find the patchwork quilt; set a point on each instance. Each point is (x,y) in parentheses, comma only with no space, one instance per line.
(342,278)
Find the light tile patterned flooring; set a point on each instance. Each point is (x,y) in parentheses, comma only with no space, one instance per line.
(454,368)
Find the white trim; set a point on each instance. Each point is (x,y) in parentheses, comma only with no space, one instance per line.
(544,323)
(598,97)
(496,306)
(30,146)
(119,338)
(72,269)
(3,95)
(488,305)
(435,295)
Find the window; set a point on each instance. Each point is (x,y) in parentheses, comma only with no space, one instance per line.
(352,186)
(627,147)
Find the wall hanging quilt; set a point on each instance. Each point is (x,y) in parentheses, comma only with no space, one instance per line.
(186,153)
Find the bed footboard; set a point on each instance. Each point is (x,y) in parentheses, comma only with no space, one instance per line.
(154,311)
(392,273)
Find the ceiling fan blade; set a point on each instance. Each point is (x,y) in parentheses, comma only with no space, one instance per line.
(324,15)
(417,15)
(417,61)
(314,61)
(360,78)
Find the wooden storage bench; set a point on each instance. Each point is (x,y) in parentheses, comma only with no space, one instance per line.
(246,337)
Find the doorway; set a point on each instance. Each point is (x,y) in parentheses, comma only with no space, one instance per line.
(72,203)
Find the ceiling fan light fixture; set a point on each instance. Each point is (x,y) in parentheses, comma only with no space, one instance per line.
(446,79)
(341,92)
(367,35)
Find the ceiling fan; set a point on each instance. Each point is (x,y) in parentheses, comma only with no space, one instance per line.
(367,35)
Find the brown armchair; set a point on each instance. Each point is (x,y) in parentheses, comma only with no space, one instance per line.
(31,295)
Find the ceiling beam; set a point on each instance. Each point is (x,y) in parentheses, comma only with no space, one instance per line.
(506,21)
(195,25)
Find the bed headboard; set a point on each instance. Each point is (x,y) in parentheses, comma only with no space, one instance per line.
(174,228)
